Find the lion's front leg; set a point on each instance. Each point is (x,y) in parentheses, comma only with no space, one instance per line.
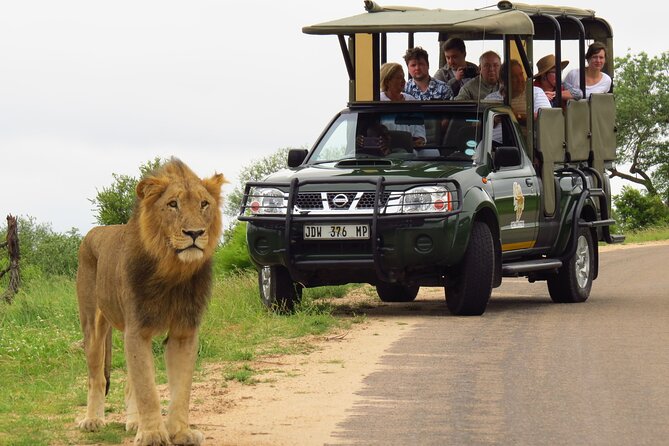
(141,379)
(180,357)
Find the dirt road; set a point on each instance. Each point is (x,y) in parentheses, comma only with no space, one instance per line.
(527,372)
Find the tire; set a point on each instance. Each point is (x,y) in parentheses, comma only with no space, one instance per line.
(574,279)
(469,286)
(278,292)
(396,292)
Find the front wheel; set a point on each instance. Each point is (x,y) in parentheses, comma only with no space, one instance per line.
(470,285)
(278,292)
(574,279)
(396,292)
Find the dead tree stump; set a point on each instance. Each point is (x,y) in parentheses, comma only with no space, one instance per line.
(12,245)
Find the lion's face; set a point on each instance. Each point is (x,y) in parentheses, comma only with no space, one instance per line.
(179,214)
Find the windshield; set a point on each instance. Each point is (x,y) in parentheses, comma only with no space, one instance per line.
(400,135)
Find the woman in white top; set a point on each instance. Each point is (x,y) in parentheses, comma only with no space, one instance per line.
(596,81)
(392,86)
(392,83)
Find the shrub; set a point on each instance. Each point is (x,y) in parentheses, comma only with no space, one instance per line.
(44,251)
(233,255)
(638,210)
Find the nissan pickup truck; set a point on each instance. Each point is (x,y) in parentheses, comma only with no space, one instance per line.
(483,197)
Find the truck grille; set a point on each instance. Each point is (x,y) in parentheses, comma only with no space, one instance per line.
(338,201)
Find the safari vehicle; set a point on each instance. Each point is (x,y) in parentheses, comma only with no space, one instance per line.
(486,197)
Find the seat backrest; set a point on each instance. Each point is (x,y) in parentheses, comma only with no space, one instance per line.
(400,140)
(551,145)
(603,129)
(577,130)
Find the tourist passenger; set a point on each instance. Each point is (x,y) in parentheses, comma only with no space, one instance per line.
(486,82)
(518,99)
(421,86)
(546,80)
(456,71)
(596,81)
(392,83)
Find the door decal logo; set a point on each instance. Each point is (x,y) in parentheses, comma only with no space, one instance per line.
(518,206)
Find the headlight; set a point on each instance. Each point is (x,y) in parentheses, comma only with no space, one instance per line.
(427,199)
(266,201)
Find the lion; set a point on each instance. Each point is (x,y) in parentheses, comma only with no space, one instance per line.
(150,277)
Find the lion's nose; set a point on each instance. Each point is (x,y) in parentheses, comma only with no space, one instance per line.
(194,234)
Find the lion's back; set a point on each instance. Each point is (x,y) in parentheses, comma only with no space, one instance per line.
(102,241)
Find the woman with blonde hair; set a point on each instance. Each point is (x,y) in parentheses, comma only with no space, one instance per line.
(392,83)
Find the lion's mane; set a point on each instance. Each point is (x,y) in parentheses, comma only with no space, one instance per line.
(168,291)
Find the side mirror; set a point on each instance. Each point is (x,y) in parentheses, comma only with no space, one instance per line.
(296,156)
(506,156)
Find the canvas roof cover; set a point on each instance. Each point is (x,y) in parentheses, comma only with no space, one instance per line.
(428,20)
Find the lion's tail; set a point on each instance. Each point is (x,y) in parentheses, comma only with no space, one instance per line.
(108,350)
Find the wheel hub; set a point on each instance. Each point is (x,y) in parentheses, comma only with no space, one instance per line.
(582,263)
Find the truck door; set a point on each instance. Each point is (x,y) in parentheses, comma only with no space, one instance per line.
(515,189)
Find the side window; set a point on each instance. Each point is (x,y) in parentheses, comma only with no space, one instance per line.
(503,135)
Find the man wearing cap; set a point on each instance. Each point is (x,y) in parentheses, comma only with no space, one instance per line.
(546,80)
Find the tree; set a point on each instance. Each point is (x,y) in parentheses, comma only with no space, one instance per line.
(642,103)
(639,209)
(114,204)
(254,172)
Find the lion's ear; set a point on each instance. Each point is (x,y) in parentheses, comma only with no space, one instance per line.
(150,186)
(213,184)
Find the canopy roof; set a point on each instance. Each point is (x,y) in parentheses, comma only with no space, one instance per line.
(509,18)
(439,20)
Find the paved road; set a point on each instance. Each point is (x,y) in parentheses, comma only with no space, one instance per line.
(530,372)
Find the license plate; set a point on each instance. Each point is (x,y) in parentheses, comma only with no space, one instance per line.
(336,232)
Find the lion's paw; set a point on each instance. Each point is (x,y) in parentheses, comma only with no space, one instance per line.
(91,424)
(188,437)
(158,437)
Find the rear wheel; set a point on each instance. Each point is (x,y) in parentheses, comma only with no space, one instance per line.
(573,281)
(396,292)
(277,290)
(470,285)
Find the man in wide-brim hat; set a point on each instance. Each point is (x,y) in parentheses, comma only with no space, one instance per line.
(546,79)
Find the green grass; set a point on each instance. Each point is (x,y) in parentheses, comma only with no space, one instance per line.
(647,235)
(43,370)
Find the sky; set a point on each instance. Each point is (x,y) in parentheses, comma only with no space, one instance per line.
(92,88)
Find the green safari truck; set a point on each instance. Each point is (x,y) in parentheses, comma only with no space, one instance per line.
(486,196)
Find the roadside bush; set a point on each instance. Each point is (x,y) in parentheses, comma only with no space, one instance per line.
(44,252)
(637,210)
(233,255)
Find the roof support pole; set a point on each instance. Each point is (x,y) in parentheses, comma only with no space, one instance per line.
(581,51)
(557,30)
(347,56)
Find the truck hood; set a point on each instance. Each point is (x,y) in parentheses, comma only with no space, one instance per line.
(403,169)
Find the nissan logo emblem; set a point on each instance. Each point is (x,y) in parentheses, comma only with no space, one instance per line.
(340,200)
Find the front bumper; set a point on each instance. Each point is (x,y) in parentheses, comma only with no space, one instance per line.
(401,247)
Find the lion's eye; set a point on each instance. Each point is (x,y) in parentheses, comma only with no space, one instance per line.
(204,204)
(173,204)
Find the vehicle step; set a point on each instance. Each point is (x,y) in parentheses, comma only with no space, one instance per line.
(515,268)
(617,238)
(597,223)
